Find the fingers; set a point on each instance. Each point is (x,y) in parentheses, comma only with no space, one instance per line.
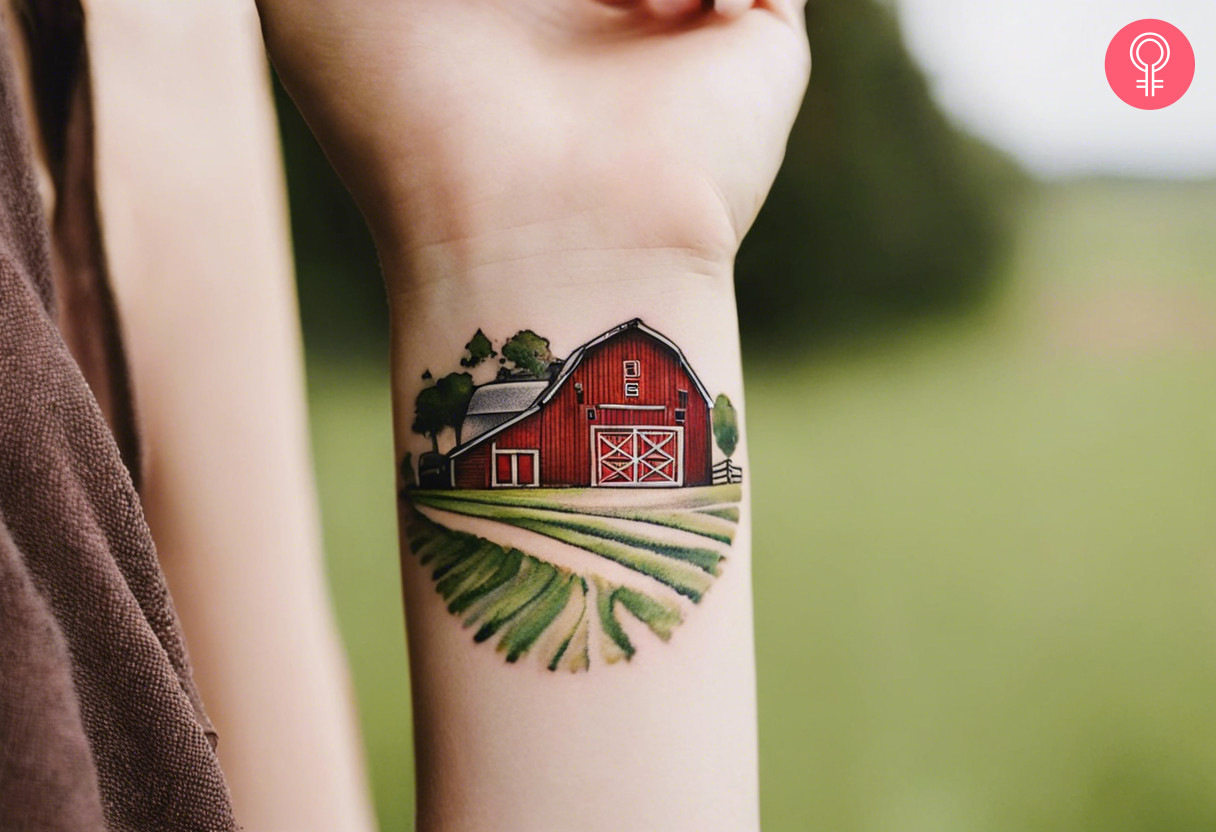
(674,9)
(657,8)
(733,8)
(682,8)
(792,11)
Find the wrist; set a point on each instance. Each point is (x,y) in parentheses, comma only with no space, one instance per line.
(457,272)
(539,234)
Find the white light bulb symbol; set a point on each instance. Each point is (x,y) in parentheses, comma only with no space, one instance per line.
(1150,84)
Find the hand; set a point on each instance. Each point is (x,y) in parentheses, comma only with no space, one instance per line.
(473,130)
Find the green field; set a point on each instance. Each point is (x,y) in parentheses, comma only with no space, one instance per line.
(526,604)
(543,605)
(985,549)
(696,510)
(602,522)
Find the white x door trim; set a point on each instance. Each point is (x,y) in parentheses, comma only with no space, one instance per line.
(637,456)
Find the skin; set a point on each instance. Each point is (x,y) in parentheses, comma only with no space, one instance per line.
(229,499)
(500,128)
(564,166)
(202,271)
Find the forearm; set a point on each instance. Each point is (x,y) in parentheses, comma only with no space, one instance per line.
(203,279)
(584,706)
(565,174)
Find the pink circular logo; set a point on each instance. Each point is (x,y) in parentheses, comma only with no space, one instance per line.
(1150,64)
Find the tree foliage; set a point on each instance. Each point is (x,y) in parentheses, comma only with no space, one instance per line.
(529,353)
(726,425)
(442,405)
(478,349)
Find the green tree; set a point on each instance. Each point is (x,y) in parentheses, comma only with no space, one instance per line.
(442,405)
(479,349)
(726,425)
(528,352)
(883,208)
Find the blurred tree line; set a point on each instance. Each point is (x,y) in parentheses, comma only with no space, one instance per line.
(883,208)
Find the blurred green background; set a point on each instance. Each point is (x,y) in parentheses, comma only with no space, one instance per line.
(983,463)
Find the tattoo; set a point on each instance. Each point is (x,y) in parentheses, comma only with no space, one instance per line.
(610,455)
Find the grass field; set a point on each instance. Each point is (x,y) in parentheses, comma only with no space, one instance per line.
(658,536)
(528,604)
(696,510)
(985,549)
(603,522)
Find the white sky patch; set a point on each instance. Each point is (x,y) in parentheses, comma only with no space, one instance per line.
(1029,77)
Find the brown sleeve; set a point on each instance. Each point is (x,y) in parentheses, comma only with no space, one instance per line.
(91,632)
(47,779)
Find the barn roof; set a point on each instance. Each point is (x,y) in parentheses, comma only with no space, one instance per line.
(548,389)
(496,402)
(577,356)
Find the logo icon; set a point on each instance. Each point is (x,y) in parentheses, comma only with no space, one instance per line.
(1150,83)
(1150,64)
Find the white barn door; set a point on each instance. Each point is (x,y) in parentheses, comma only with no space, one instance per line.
(637,456)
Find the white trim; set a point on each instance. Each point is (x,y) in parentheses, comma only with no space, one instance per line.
(633,406)
(678,430)
(514,453)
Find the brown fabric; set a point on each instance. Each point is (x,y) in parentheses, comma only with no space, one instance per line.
(85,308)
(101,727)
(47,779)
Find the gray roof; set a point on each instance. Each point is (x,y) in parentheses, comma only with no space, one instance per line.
(497,402)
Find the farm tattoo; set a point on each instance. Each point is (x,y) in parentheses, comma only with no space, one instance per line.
(610,455)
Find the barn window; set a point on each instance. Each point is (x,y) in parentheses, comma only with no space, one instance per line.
(504,468)
(680,414)
(516,468)
(591,414)
(633,372)
(683,400)
(578,391)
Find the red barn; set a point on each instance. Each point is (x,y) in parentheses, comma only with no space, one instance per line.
(624,410)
